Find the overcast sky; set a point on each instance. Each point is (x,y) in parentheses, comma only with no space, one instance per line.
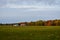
(28,10)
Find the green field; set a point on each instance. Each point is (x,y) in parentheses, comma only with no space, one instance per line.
(30,33)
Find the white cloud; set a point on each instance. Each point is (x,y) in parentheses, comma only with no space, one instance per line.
(31,7)
(9,5)
(32,4)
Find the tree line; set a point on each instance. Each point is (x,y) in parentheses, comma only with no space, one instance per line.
(44,23)
(37,23)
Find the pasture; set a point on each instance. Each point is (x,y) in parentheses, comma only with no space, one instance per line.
(30,33)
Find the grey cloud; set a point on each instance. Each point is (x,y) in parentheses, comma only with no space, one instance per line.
(45,2)
(31,2)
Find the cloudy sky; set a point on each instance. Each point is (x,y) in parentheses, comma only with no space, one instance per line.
(28,10)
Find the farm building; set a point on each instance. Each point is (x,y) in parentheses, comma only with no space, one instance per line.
(16,24)
(22,24)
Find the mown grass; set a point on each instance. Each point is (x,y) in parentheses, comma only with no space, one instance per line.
(30,33)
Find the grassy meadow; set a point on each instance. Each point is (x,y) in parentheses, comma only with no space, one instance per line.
(30,33)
